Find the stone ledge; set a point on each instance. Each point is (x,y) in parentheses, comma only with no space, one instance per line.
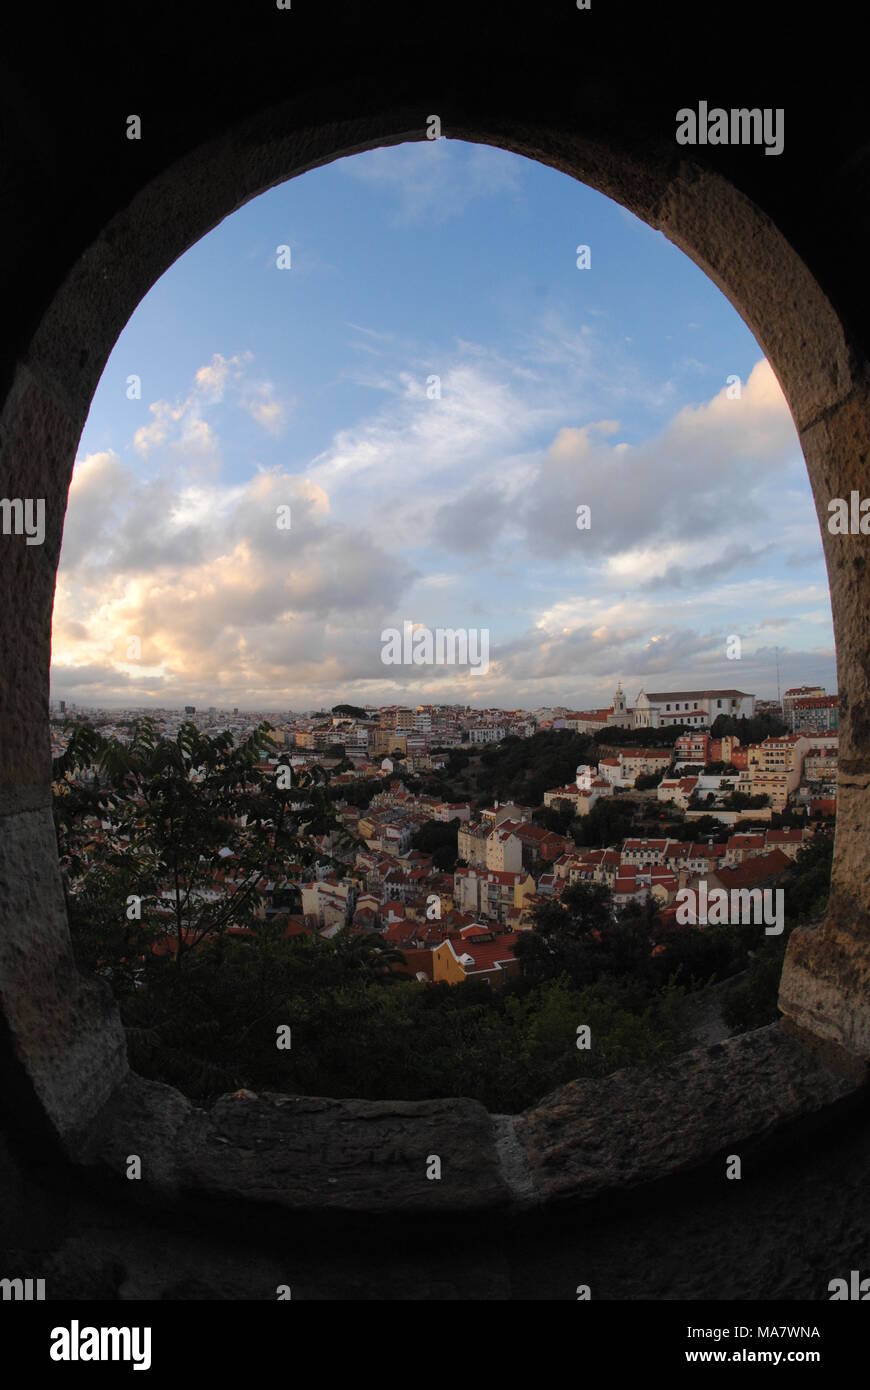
(342,1158)
(638,1127)
(302,1153)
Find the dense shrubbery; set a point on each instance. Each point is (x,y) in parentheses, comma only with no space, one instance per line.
(704,828)
(438,838)
(740,801)
(522,769)
(212,1027)
(754,730)
(647,780)
(357,794)
(608,822)
(752,1002)
(642,738)
(557,817)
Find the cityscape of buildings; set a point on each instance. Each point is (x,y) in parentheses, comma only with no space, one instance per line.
(462,922)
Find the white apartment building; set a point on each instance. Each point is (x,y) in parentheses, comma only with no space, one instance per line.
(643,854)
(486,844)
(677,790)
(623,768)
(486,733)
(504,851)
(329,901)
(581,799)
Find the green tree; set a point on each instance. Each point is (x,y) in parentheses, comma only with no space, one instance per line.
(567,937)
(607,823)
(754,730)
(183,814)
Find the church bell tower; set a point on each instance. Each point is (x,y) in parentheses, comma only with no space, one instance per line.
(620,712)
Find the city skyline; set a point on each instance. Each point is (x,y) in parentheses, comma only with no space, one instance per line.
(330,708)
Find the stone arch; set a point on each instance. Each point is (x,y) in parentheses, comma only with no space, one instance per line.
(63,1052)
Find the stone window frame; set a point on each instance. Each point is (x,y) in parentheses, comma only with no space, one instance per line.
(62,1049)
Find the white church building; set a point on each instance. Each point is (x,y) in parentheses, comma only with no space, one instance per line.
(697,709)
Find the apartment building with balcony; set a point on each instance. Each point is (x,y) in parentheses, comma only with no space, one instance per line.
(815,714)
(490,893)
(799,692)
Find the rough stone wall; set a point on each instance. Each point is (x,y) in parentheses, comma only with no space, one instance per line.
(92,219)
(589,1188)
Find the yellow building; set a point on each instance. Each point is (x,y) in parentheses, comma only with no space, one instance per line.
(445,965)
(774,785)
(477,955)
(384,741)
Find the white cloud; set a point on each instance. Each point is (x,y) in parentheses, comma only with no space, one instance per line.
(431,183)
(181,424)
(262,405)
(702,530)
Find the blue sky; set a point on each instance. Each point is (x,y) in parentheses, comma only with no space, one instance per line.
(307,387)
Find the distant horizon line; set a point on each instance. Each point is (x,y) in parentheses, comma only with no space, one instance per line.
(263,709)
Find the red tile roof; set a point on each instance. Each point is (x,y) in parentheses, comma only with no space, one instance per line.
(416,961)
(753,872)
(487,953)
(400,932)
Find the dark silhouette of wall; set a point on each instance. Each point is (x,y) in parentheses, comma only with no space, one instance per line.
(231,102)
